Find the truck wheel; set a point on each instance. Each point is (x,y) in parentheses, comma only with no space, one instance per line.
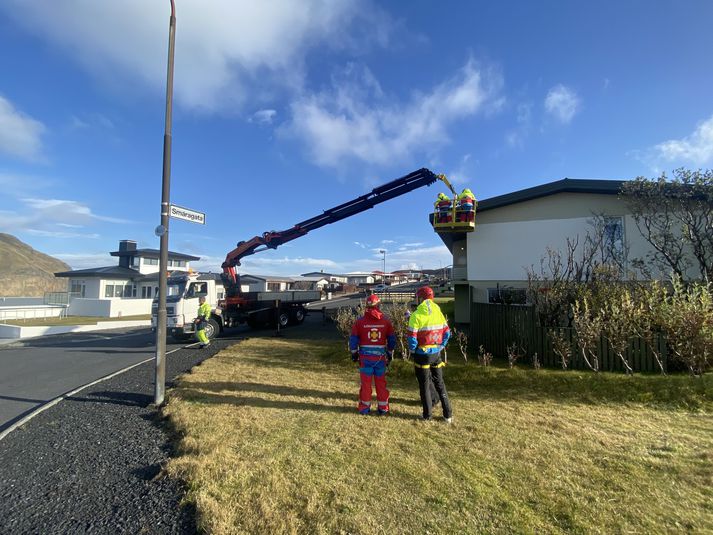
(283,319)
(297,316)
(212,329)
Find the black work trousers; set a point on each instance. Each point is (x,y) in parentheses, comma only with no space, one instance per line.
(430,379)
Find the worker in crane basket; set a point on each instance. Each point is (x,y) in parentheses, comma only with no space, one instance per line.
(372,344)
(202,321)
(466,206)
(443,206)
(428,334)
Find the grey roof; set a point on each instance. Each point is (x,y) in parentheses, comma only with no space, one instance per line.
(566,185)
(154,253)
(105,272)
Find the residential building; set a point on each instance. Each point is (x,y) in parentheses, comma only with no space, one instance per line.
(513,232)
(124,289)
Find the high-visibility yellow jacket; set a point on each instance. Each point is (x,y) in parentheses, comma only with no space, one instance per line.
(428,330)
(204,311)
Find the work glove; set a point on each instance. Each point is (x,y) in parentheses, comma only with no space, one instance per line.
(355,356)
(389,357)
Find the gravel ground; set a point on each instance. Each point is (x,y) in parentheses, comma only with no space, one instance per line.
(92,463)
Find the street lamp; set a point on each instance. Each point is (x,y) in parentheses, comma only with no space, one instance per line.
(383,270)
(162,229)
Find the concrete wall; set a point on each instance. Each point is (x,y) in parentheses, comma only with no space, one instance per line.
(109,308)
(12,331)
(31,312)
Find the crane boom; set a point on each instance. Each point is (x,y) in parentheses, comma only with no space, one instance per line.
(273,239)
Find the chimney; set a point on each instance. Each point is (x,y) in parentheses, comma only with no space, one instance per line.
(127,245)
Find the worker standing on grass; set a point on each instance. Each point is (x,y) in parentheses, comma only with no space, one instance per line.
(372,344)
(201,321)
(428,334)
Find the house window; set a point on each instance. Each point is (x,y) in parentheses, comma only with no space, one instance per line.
(77,288)
(506,295)
(273,286)
(129,290)
(613,242)
(109,290)
(146,292)
(151,261)
(133,261)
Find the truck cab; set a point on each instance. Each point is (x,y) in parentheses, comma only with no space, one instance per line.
(182,304)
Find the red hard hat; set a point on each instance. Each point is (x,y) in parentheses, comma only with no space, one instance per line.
(373,301)
(424,292)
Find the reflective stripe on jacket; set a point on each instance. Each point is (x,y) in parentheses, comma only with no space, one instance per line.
(428,330)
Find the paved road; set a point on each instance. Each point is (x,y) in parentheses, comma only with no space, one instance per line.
(37,371)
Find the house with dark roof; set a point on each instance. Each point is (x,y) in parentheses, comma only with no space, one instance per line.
(513,232)
(124,289)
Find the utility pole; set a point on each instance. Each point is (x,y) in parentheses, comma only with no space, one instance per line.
(383,270)
(162,229)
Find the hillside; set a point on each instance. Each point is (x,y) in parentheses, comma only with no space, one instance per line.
(25,272)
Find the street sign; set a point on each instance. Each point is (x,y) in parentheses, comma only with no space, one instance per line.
(178,212)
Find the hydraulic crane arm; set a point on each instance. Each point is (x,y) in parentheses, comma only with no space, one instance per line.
(273,239)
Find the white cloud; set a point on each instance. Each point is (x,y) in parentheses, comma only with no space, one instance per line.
(562,102)
(284,261)
(462,174)
(517,136)
(91,120)
(61,234)
(42,217)
(695,149)
(356,120)
(20,135)
(222,46)
(263,116)
(85,260)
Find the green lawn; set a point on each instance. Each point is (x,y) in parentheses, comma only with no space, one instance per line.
(269,441)
(71,320)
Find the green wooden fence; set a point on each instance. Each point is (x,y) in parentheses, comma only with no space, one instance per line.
(495,327)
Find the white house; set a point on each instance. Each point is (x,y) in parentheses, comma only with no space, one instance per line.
(331,277)
(356,278)
(513,231)
(122,290)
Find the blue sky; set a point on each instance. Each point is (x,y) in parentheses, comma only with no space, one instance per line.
(284,109)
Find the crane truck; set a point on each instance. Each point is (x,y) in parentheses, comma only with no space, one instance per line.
(232,305)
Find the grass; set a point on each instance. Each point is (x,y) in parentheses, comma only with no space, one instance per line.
(71,320)
(269,442)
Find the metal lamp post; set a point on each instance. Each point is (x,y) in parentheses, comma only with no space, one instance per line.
(383,270)
(162,229)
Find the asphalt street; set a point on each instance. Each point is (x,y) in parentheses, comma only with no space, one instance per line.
(39,370)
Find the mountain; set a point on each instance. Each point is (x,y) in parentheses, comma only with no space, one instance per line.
(25,272)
